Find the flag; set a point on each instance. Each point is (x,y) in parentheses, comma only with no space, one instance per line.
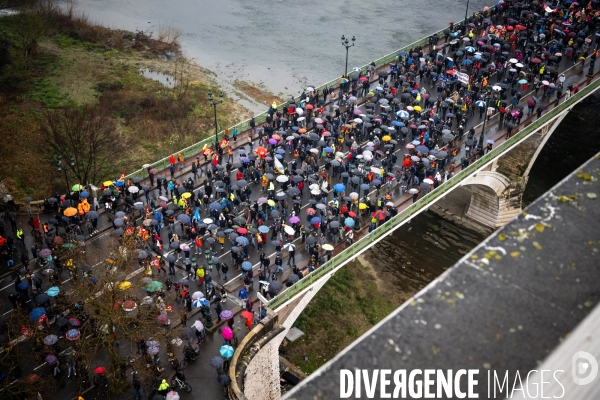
(197,214)
(548,9)
(122,178)
(223,143)
(207,151)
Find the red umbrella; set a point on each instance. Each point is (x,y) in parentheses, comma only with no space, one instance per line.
(247,315)
(242,231)
(536,60)
(261,151)
(100,370)
(352,214)
(309,106)
(379,214)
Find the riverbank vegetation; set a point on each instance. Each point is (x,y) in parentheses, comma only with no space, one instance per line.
(350,303)
(72,88)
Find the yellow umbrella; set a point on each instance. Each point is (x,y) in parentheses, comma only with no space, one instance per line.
(362,206)
(386,138)
(108,183)
(418,108)
(124,285)
(186,195)
(69,212)
(271,203)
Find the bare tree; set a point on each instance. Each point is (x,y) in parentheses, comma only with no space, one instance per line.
(89,135)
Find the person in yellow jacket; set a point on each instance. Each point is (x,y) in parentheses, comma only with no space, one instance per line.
(163,388)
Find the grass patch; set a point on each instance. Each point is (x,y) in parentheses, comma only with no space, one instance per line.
(347,306)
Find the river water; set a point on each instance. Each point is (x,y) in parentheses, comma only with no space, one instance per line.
(281,44)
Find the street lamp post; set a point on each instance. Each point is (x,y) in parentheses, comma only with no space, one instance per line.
(214,103)
(466,12)
(64,168)
(346,44)
(481,137)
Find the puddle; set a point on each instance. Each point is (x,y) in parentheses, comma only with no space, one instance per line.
(166,80)
(8,11)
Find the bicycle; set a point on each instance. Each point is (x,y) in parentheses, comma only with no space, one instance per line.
(177,383)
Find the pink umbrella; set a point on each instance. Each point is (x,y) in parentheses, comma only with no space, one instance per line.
(294,220)
(184,247)
(227,333)
(272,141)
(162,318)
(357,112)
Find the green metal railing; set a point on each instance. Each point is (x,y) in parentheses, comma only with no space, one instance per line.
(425,201)
(243,126)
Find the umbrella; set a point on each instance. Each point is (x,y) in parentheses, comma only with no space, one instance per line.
(226,314)
(227,333)
(73,334)
(74,322)
(242,241)
(172,395)
(70,211)
(42,298)
(100,370)
(53,291)
(92,215)
(50,340)
(275,287)
(197,295)
(413,191)
(217,362)
(349,222)
(227,351)
(44,253)
(184,218)
(224,380)
(162,318)
(154,286)
(198,325)
(293,278)
(51,359)
(247,266)
(36,313)
(327,247)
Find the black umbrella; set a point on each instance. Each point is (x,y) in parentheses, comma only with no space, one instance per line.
(42,298)
(275,287)
(174,245)
(293,278)
(224,380)
(311,240)
(171,258)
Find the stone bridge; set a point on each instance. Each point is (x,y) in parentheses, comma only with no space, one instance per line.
(496,180)
(497,190)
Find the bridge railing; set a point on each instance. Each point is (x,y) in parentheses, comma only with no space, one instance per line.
(366,241)
(196,148)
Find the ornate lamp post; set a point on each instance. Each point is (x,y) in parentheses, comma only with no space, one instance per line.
(64,168)
(214,103)
(347,45)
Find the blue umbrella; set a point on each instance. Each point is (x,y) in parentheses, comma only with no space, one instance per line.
(315,220)
(22,286)
(183,218)
(197,303)
(415,92)
(416,142)
(245,159)
(84,195)
(36,313)
(53,291)
(398,123)
(280,151)
(247,266)
(402,114)
(242,240)
(119,183)
(328,150)
(364,186)
(467,62)
(339,187)
(422,149)
(295,128)
(215,206)
(402,54)
(227,351)
(477,57)
(263,229)
(349,222)
(204,303)
(470,49)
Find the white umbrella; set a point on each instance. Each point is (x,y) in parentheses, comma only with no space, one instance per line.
(428,181)
(133,189)
(282,178)
(413,191)
(358,120)
(299,111)
(198,325)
